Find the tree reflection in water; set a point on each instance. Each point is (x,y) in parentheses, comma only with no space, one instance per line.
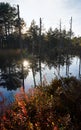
(12,74)
(13,71)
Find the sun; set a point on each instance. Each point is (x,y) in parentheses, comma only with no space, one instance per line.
(25,63)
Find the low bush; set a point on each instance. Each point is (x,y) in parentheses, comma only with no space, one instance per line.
(42,108)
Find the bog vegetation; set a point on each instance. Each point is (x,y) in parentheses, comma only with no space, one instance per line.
(56,106)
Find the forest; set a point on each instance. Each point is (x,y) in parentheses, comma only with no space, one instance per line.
(34,39)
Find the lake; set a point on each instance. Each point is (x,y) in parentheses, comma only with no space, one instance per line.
(15,73)
(50,72)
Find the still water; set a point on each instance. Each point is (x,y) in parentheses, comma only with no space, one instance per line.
(71,67)
(49,73)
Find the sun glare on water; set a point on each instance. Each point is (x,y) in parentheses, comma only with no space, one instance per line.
(25,63)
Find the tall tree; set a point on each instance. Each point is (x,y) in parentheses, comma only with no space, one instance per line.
(34,35)
(9,26)
(8,15)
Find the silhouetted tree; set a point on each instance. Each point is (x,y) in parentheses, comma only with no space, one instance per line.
(9,24)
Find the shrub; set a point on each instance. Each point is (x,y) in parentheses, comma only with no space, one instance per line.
(41,108)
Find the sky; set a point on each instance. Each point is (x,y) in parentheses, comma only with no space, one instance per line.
(51,11)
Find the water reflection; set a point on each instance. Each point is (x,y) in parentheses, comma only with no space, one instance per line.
(68,67)
(80,67)
(25,64)
(11,74)
(29,72)
(15,73)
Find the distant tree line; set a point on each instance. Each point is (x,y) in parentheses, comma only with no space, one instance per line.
(49,41)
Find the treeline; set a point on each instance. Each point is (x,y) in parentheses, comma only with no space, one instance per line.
(12,34)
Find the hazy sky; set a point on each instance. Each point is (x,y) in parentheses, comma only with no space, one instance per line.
(51,11)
